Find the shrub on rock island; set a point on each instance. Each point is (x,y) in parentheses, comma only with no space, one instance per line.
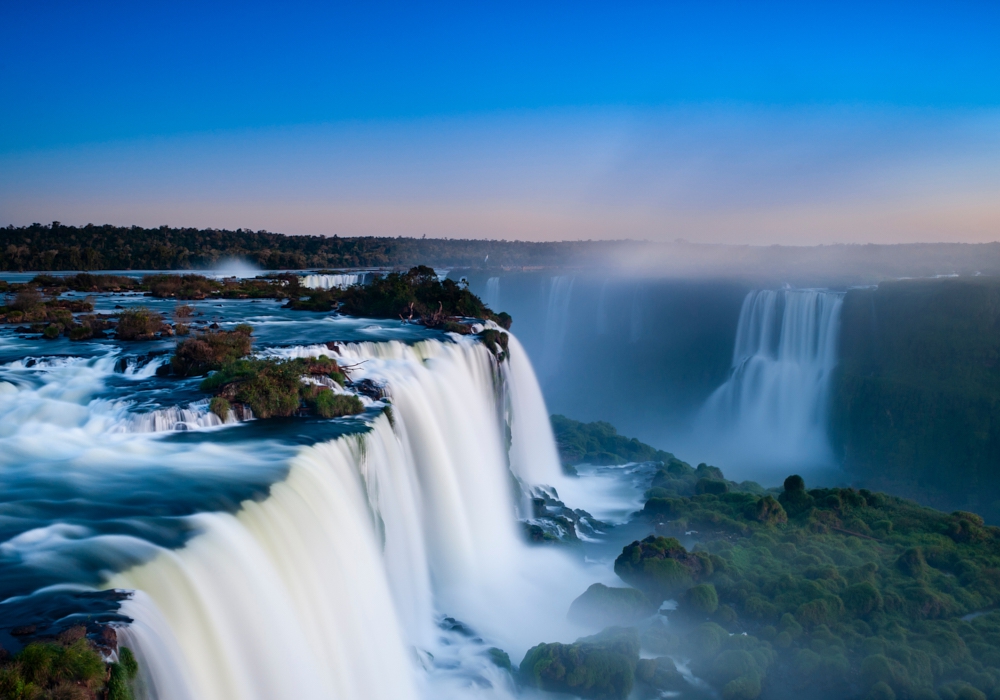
(220,407)
(270,387)
(330,405)
(209,351)
(139,323)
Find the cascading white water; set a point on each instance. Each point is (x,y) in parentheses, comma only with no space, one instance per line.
(492,295)
(772,412)
(325,587)
(331,281)
(560,293)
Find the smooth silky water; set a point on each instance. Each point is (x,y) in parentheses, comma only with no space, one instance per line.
(377,556)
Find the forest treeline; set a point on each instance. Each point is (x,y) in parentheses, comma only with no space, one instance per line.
(57,247)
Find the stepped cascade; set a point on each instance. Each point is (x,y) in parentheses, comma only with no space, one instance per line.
(774,406)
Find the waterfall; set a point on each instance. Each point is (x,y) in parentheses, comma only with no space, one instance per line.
(333,585)
(492,295)
(332,281)
(560,291)
(773,410)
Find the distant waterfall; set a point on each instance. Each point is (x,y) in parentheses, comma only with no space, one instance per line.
(773,410)
(560,293)
(492,295)
(332,585)
(340,281)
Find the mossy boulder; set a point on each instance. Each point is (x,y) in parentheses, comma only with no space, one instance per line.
(602,606)
(601,667)
(658,677)
(766,510)
(700,600)
(661,567)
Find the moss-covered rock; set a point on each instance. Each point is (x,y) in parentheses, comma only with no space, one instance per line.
(661,567)
(659,677)
(603,606)
(701,599)
(601,667)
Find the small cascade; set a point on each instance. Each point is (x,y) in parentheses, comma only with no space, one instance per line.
(339,281)
(772,412)
(195,416)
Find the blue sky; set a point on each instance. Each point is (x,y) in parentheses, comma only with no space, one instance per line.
(722,122)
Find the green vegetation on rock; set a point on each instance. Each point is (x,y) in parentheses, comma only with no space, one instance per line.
(139,323)
(68,666)
(600,443)
(210,351)
(847,591)
(601,667)
(330,405)
(416,295)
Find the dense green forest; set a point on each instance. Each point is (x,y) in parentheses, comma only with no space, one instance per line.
(57,247)
(917,398)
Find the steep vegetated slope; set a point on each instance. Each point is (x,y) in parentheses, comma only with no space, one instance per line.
(832,593)
(917,397)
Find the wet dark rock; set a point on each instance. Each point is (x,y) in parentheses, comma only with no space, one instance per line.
(369,388)
(450,624)
(553,521)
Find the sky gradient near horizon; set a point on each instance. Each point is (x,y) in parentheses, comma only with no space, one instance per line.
(731,122)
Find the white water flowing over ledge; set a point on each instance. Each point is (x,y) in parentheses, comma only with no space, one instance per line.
(773,410)
(195,416)
(332,586)
(332,281)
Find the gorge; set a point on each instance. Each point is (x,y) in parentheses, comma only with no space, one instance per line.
(443,543)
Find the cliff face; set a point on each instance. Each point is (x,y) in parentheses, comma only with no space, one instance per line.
(916,401)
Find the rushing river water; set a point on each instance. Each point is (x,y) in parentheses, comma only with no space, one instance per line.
(376,556)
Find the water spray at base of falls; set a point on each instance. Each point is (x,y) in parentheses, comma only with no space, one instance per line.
(334,585)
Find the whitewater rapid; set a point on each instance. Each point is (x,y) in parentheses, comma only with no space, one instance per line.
(336,584)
